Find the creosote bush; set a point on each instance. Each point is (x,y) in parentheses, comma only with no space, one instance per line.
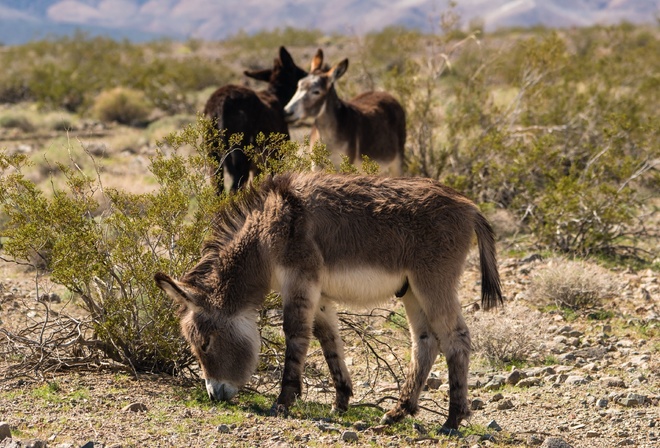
(107,255)
(122,105)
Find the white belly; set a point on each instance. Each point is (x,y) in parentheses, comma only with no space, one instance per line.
(352,286)
(360,286)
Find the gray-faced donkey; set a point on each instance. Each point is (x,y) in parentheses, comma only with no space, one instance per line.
(322,240)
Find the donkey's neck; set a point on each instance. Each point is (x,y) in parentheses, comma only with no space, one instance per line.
(244,272)
(336,122)
(281,91)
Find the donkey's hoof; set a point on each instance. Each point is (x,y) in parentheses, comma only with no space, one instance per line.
(446,431)
(279,410)
(338,411)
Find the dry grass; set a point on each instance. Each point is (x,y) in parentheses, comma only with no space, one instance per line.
(572,284)
(500,338)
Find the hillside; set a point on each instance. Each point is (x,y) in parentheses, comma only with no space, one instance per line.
(146,19)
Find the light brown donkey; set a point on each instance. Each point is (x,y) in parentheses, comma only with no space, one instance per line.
(371,124)
(323,240)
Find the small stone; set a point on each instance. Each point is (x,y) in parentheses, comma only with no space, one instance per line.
(628,402)
(529,382)
(497,397)
(534,440)
(555,442)
(612,381)
(514,377)
(433,383)
(493,425)
(35,444)
(592,434)
(641,399)
(5,431)
(505,405)
(224,429)
(477,404)
(602,403)
(576,380)
(419,428)
(135,407)
(360,425)
(472,439)
(349,436)
(495,383)
(379,429)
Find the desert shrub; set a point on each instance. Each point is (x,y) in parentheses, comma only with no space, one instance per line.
(11,121)
(500,339)
(572,284)
(68,72)
(125,106)
(568,148)
(104,245)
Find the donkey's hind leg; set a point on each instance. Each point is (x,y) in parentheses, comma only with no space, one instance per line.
(326,331)
(455,344)
(424,353)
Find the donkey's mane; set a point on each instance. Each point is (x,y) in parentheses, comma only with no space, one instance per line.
(231,218)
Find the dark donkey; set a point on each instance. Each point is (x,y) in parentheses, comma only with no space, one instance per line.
(323,239)
(371,124)
(238,109)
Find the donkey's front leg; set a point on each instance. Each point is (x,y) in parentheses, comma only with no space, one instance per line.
(326,329)
(300,302)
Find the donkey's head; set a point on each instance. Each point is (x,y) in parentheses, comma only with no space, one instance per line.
(226,344)
(313,90)
(283,77)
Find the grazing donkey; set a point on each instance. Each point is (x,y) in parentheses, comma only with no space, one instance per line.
(371,124)
(323,239)
(238,109)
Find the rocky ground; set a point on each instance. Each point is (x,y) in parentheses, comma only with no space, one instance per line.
(585,379)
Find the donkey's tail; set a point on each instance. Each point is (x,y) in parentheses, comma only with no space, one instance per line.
(491,289)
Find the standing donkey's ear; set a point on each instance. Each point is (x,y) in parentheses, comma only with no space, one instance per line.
(285,58)
(175,290)
(260,75)
(338,70)
(317,61)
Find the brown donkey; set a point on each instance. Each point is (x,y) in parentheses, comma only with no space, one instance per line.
(238,109)
(371,124)
(323,240)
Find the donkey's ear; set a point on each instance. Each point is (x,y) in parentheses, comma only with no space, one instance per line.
(338,70)
(260,75)
(174,289)
(317,61)
(285,58)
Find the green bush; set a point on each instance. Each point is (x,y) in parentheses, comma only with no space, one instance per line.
(125,106)
(104,245)
(568,145)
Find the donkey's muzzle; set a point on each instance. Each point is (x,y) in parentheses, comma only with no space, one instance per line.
(220,391)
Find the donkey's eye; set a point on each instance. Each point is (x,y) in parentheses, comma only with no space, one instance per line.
(205,345)
(316,92)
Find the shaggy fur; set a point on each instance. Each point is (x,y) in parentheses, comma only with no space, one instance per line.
(323,240)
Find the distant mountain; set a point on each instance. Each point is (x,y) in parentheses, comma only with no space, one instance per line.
(22,20)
